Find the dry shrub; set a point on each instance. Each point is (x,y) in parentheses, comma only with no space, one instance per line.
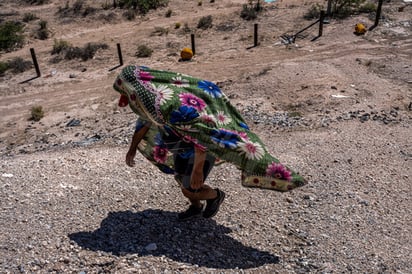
(37,113)
(143,51)
(205,22)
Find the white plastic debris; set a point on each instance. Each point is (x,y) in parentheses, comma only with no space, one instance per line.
(7,175)
(339,96)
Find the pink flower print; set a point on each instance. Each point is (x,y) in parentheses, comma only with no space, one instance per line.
(160,154)
(208,119)
(251,150)
(278,171)
(190,100)
(222,118)
(143,76)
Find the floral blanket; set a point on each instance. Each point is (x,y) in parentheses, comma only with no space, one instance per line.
(200,113)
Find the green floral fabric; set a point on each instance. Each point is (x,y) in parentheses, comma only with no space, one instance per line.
(199,112)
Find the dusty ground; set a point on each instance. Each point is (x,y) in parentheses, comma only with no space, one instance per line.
(337,109)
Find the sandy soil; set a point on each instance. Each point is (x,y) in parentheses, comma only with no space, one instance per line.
(337,109)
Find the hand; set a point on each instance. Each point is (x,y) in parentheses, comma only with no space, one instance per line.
(130,158)
(196,179)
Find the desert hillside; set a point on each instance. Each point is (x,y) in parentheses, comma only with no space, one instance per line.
(338,109)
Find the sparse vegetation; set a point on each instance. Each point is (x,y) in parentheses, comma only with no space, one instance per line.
(250,11)
(186,28)
(88,10)
(129,15)
(205,22)
(68,52)
(168,13)
(77,6)
(11,35)
(43,32)
(143,6)
(18,65)
(78,9)
(344,8)
(4,66)
(85,53)
(159,31)
(313,12)
(37,113)
(60,46)
(368,7)
(143,51)
(37,2)
(178,25)
(27,17)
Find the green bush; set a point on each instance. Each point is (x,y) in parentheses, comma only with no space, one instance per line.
(11,35)
(168,13)
(19,65)
(205,22)
(367,8)
(87,52)
(37,113)
(129,15)
(313,12)
(43,32)
(248,13)
(37,2)
(90,50)
(27,17)
(77,9)
(143,6)
(143,51)
(3,67)
(89,10)
(345,8)
(60,46)
(77,6)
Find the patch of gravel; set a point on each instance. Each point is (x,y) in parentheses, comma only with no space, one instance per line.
(81,209)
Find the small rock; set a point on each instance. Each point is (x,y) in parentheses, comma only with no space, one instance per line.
(151,247)
(289,200)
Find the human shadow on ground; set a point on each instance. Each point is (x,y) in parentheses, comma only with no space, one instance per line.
(155,232)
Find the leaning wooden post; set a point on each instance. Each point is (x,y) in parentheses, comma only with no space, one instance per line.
(119,54)
(35,63)
(192,38)
(378,15)
(36,66)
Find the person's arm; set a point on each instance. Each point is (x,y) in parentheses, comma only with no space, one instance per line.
(196,179)
(137,137)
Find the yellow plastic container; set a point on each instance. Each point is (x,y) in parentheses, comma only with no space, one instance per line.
(186,54)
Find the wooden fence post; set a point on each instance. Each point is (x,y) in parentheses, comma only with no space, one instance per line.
(36,66)
(192,38)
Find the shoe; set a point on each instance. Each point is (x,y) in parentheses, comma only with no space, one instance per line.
(212,205)
(190,213)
